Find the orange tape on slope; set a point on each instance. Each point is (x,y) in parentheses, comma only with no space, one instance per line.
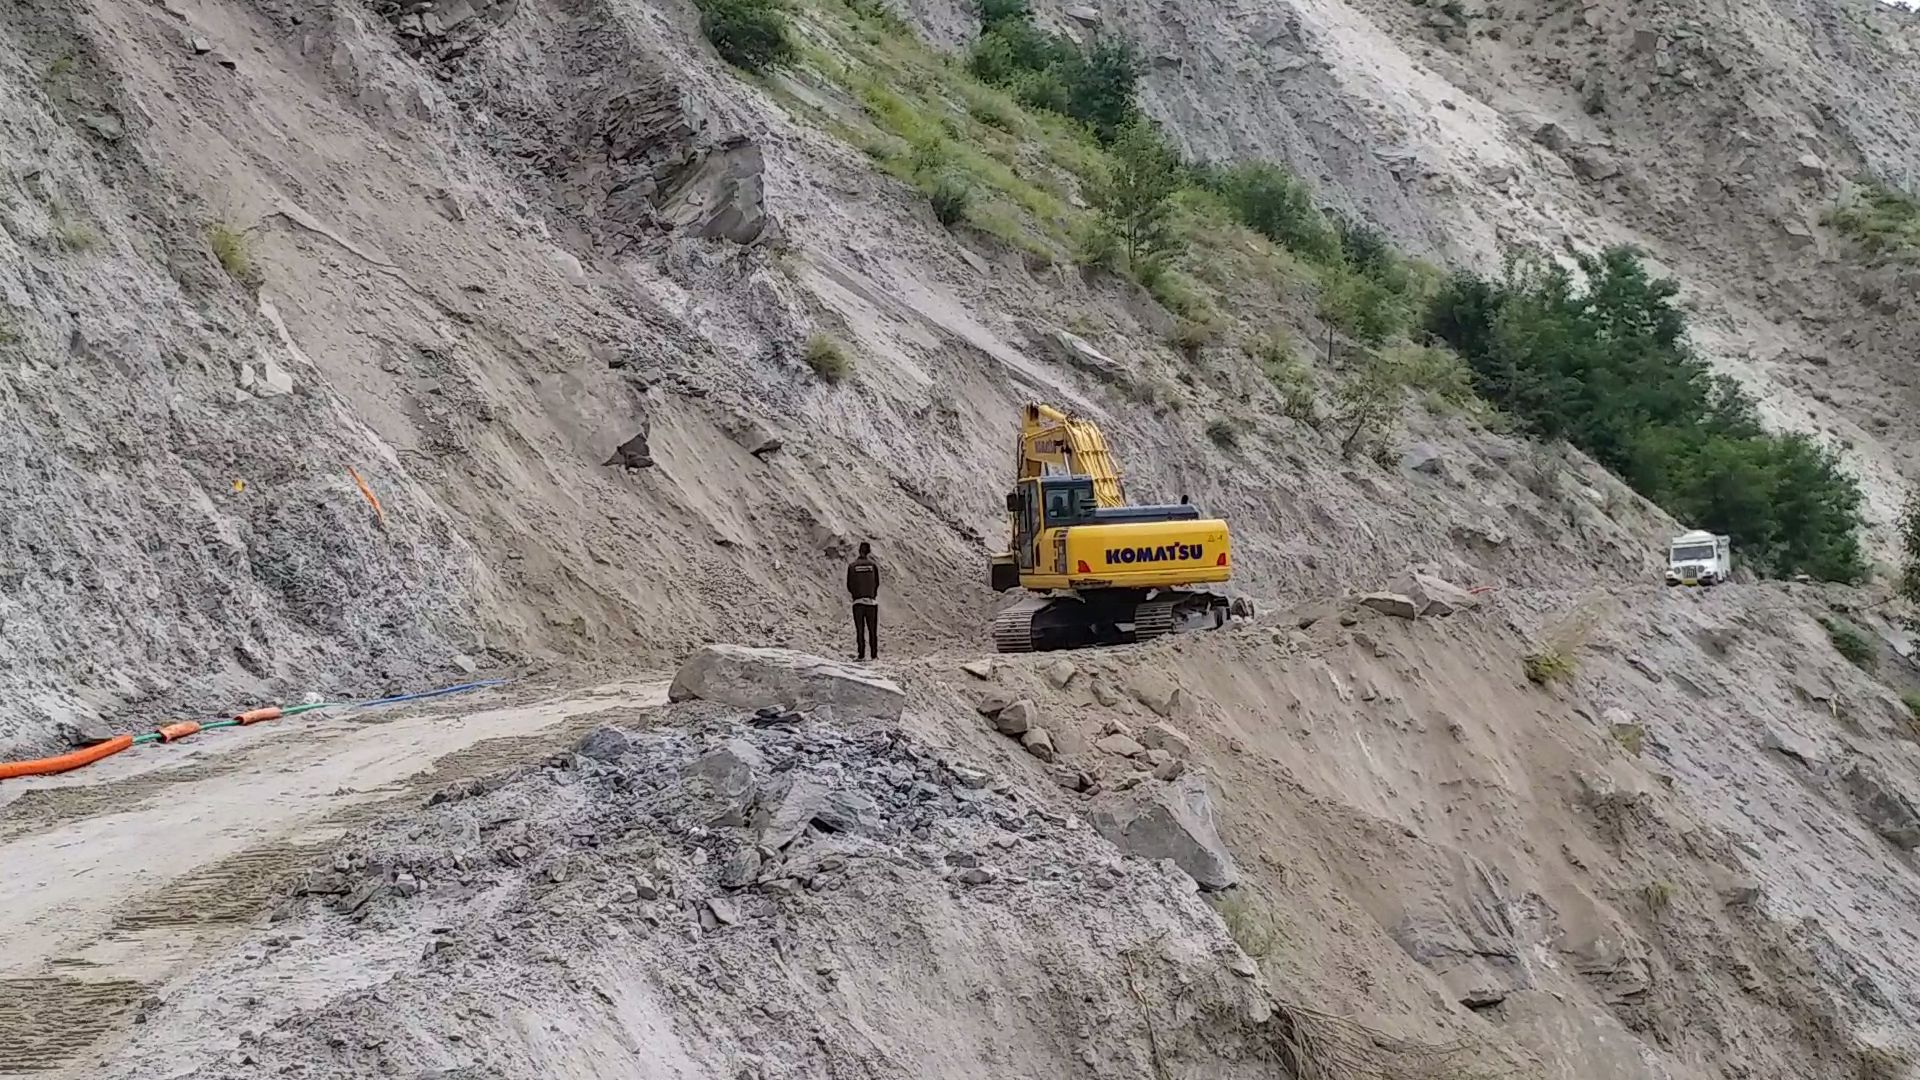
(372,499)
(65,762)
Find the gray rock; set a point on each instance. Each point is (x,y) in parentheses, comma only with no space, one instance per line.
(1171,769)
(788,810)
(849,811)
(1070,778)
(1104,693)
(604,744)
(1890,812)
(725,911)
(1169,821)
(1061,672)
(1121,745)
(465,663)
(740,869)
(976,875)
(1166,737)
(1038,743)
(1435,596)
(749,678)
(1808,166)
(724,779)
(994,702)
(1161,694)
(1395,604)
(754,437)
(1593,163)
(1083,13)
(1076,351)
(979,669)
(1422,458)
(1552,136)
(1015,719)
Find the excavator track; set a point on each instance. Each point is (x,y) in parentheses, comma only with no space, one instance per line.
(1048,623)
(1013,629)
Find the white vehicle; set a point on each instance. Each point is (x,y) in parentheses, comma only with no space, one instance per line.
(1699,558)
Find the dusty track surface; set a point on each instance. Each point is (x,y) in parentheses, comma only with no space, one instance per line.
(127,873)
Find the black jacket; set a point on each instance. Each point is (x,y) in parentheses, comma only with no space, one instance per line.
(863,578)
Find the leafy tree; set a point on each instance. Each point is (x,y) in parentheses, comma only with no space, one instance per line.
(1276,204)
(1136,197)
(1048,71)
(1101,85)
(995,13)
(1606,366)
(749,34)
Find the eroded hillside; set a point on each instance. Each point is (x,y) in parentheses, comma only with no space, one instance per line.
(629,348)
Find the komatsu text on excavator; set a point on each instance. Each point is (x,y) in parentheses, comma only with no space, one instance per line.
(1102,572)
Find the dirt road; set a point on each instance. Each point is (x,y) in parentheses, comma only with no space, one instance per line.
(118,876)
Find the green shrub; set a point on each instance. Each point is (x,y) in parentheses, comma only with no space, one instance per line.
(1547,665)
(1852,642)
(1225,433)
(1912,699)
(1290,378)
(1276,204)
(1361,306)
(1192,335)
(1880,219)
(1608,368)
(749,34)
(951,196)
(1659,896)
(995,12)
(828,358)
(1096,86)
(230,248)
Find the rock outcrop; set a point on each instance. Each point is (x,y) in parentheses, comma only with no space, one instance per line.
(750,678)
(1169,821)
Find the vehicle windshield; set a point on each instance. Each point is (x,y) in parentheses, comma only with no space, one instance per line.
(1701,553)
(1069,503)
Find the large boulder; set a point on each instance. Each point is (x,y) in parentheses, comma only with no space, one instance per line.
(1398,605)
(1435,596)
(749,678)
(1169,821)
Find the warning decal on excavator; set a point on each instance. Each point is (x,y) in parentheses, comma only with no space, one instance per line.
(1163,553)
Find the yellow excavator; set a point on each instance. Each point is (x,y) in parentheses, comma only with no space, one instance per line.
(1100,571)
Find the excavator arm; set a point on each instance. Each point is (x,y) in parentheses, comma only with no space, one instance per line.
(1055,444)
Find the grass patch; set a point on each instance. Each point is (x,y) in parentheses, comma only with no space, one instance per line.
(1851,642)
(1224,432)
(1190,336)
(235,256)
(1547,665)
(1883,220)
(1912,700)
(1250,922)
(828,358)
(74,234)
(1659,896)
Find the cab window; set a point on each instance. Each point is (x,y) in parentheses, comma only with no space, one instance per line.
(1069,504)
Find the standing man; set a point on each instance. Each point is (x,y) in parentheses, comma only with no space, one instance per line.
(863,585)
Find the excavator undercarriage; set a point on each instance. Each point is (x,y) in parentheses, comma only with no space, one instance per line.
(1109,617)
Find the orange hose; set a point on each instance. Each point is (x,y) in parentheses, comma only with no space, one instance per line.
(65,762)
(372,499)
(254,716)
(172,732)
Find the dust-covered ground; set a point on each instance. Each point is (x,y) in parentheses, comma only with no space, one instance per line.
(1688,857)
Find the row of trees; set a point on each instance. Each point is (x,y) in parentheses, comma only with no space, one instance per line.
(1605,365)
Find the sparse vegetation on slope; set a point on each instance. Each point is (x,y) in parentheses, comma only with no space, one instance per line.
(1881,219)
(1909,584)
(1851,642)
(828,358)
(1607,368)
(749,34)
(1047,71)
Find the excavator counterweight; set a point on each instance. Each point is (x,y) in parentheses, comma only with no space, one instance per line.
(1099,570)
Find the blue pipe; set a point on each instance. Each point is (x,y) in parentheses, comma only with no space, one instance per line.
(397,698)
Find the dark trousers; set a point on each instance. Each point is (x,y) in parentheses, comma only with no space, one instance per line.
(866,630)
